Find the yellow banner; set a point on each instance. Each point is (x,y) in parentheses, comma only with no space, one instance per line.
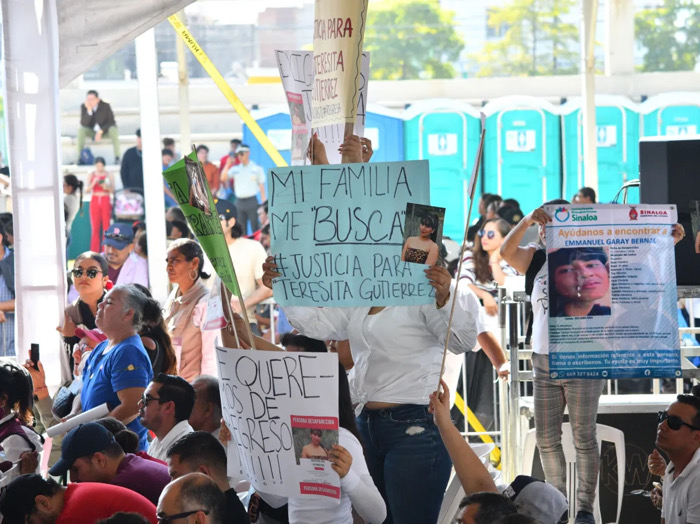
(219,80)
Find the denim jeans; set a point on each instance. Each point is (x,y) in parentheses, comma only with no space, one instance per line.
(407,460)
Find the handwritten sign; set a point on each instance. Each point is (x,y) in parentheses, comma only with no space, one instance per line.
(297,73)
(189,185)
(611,291)
(339,27)
(337,234)
(282,409)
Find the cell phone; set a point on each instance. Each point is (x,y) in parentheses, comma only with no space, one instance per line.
(34,355)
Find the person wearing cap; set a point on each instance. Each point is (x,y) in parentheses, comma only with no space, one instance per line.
(532,497)
(30,499)
(91,454)
(132,166)
(164,409)
(248,180)
(125,266)
(248,257)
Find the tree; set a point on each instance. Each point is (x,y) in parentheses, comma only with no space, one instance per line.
(671,36)
(536,41)
(411,39)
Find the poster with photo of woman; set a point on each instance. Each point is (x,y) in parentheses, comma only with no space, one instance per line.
(422,234)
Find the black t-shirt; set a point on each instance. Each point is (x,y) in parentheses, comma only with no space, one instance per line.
(235,511)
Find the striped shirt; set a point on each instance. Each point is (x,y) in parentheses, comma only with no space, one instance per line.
(469,275)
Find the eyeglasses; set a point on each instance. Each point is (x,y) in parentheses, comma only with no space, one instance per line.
(91,273)
(145,399)
(166,518)
(119,237)
(488,234)
(674,421)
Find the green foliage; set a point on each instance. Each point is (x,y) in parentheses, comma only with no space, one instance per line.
(411,39)
(670,34)
(535,40)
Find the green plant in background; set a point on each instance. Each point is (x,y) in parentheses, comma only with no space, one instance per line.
(411,39)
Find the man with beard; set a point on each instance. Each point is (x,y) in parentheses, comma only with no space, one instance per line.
(125,266)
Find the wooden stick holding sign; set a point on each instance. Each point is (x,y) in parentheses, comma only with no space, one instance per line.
(470,191)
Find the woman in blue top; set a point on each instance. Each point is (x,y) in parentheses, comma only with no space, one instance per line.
(118,369)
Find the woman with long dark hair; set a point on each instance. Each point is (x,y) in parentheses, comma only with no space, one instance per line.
(422,248)
(101,185)
(185,311)
(72,202)
(156,340)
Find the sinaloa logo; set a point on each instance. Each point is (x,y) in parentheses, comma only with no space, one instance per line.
(561,214)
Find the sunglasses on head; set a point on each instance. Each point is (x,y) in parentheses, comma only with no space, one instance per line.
(91,273)
(674,422)
(488,234)
(118,237)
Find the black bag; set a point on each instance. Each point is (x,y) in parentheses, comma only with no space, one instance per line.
(62,403)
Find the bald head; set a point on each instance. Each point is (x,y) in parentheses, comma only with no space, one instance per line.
(196,495)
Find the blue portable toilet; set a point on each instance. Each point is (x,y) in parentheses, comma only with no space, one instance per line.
(446,133)
(522,153)
(617,134)
(671,114)
(384,128)
(277,125)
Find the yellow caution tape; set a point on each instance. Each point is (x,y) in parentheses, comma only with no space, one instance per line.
(474,423)
(219,80)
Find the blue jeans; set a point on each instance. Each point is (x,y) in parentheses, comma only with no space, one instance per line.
(407,460)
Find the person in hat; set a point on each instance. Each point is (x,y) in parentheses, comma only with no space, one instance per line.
(125,266)
(248,181)
(132,166)
(89,338)
(91,454)
(248,257)
(30,499)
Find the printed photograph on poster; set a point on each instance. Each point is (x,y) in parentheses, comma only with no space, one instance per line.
(313,443)
(695,223)
(579,283)
(300,135)
(422,234)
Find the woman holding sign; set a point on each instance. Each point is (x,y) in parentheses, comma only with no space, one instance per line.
(553,396)
(397,352)
(185,311)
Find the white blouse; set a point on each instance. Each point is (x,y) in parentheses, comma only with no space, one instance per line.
(357,490)
(398,351)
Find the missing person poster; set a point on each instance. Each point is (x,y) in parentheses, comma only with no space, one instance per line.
(339,28)
(337,234)
(282,411)
(612,291)
(297,73)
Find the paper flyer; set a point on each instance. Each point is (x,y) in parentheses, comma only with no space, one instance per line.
(188,184)
(282,410)
(337,234)
(612,291)
(297,73)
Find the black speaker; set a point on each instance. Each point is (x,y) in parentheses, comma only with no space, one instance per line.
(669,173)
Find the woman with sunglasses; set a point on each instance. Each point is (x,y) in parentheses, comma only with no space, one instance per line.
(185,311)
(422,249)
(90,277)
(552,396)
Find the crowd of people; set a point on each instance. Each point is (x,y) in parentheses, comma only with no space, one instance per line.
(160,455)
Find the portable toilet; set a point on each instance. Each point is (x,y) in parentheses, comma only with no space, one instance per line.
(671,114)
(446,133)
(276,124)
(617,139)
(522,153)
(384,128)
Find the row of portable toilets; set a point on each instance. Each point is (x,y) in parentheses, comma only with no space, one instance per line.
(533,150)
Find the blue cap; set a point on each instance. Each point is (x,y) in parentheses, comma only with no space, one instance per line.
(119,235)
(82,441)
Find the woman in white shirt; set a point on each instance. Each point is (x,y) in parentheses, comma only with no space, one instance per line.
(397,352)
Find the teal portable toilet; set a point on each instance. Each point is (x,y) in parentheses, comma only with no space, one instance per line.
(446,133)
(671,114)
(384,128)
(276,124)
(617,138)
(522,154)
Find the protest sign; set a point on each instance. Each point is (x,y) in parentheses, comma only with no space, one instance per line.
(337,233)
(297,74)
(282,410)
(612,291)
(339,28)
(188,184)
